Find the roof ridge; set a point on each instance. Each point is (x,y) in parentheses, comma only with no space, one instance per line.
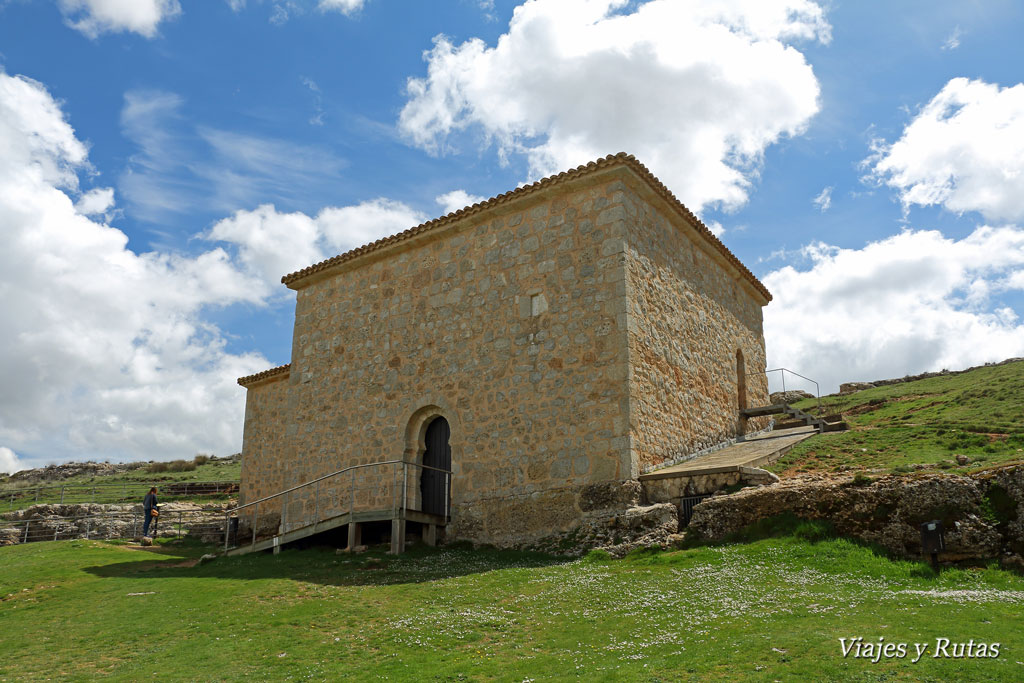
(622,158)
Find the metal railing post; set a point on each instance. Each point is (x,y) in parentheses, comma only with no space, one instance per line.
(352,486)
(227,522)
(447,490)
(394,491)
(62,494)
(316,503)
(255,519)
(405,485)
(26,531)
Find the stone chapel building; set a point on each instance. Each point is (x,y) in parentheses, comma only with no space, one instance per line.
(544,345)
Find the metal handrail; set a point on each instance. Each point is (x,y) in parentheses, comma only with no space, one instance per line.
(396,507)
(318,479)
(817,387)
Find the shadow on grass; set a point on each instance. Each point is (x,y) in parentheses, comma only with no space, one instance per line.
(323,565)
(813,531)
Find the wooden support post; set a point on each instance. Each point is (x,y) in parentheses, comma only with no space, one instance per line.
(397,536)
(430,534)
(355,535)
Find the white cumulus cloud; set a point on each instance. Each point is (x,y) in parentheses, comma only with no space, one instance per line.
(93,17)
(343,6)
(9,462)
(105,350)
(697,89)
(271,243)
(108,352)
(964,150)
(95,202)
(913,302)
(457,199)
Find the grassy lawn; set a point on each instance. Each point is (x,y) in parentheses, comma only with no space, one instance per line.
(979,414)
(773,609)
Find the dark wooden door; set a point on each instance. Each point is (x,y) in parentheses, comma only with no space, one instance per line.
(438,454)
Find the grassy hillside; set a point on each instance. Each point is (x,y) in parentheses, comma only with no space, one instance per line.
(120,487)
(771,610)
(979,414)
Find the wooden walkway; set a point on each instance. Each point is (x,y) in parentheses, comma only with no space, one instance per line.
(756,451)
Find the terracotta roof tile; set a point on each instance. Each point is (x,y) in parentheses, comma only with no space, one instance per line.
(266,374)
(609,161)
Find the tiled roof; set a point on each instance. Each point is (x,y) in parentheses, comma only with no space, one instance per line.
(621,159)
(266,374)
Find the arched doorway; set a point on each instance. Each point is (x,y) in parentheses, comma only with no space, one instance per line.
(438,454)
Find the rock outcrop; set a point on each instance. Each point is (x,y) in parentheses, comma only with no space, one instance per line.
(617,531)
(980,512)
(791,396)
(91,520)
(852,387)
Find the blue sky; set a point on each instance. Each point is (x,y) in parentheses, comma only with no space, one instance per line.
(166,161)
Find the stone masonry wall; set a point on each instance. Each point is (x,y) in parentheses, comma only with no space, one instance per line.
(688,316)
(510,324)
(266,455)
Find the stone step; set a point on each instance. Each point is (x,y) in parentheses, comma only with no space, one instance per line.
(777,408)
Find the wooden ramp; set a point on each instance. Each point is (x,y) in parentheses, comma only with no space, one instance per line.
(756,451)
(401,493)
(279,540)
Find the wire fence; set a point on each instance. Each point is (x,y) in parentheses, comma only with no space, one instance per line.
(12,498)
(206,525)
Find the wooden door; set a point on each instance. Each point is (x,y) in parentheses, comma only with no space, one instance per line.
(438,454)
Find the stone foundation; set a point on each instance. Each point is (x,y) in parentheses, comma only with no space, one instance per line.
(536,518)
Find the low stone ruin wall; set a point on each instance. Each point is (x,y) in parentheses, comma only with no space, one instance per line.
(90,520)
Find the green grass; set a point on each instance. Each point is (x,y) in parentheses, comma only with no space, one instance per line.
(979,414)
(773,609)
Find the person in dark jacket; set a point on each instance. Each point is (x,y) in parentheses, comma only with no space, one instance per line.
(149,504)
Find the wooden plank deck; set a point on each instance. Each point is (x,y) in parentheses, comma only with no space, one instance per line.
(754,452)
(333,523)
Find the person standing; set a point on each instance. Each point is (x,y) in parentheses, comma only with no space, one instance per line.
(149,505)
